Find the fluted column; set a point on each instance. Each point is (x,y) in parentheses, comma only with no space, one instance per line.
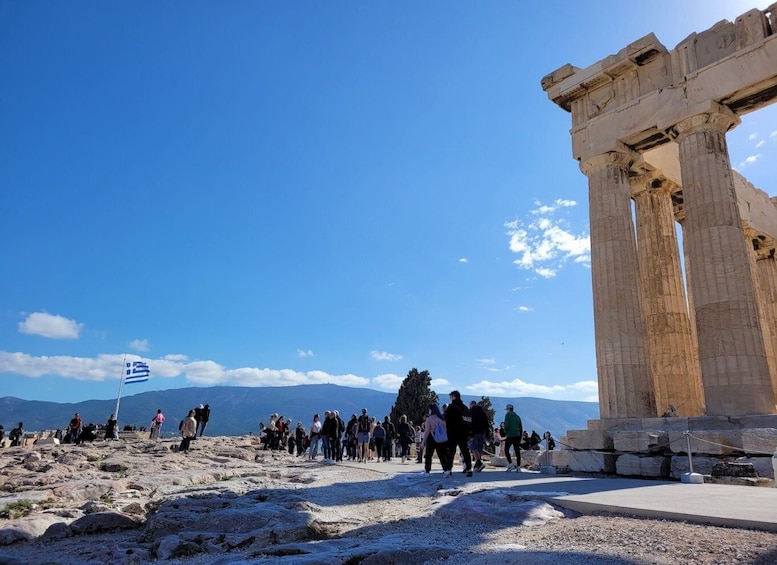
(766,278)
(625,390)
(671,348)
(735,371)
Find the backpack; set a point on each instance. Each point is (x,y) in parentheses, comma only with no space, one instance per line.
(439,433)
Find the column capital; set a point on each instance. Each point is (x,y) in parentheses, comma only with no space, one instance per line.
(622,159)
(720,118)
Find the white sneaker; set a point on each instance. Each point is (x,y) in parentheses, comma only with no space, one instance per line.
(446,473)
(511,468)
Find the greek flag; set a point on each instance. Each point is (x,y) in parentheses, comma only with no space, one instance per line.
(137,372)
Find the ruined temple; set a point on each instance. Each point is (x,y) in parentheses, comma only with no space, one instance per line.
(677,349)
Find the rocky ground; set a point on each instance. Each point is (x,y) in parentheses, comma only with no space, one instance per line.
(226,502)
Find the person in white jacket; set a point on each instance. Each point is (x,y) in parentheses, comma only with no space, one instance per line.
(188,431)
(435,439)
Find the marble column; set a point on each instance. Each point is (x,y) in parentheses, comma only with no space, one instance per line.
(766,277)
(734,366)
(673,360)
(625,389)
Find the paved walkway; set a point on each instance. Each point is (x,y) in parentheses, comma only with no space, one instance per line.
(719,505)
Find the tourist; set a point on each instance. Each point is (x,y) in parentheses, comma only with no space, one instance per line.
(74,429)
(535,440)
(513,435)
(419,439)
(111,431)
(272,431)
(326,435)
(479,428)
(299,438)
(436,439)
(551,443)
(338,442)
(16,435)
(315,437)
(379,435)
(204,417)
(363,435)
(457,425)
(405,437)
(350,437)
(388,443)
(188,432)
(156,425)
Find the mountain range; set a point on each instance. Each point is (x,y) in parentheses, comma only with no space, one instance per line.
(238,410)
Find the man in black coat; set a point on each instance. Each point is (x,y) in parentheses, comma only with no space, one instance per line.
(480,427)
(457,422)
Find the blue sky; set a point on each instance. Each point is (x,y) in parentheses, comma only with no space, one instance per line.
(267,193)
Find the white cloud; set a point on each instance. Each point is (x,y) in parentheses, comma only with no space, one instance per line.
(303,353)
(463,260)
(773,134)
(544,244)
(760,144)
(388,381)
(384,356)
(524,309)
(751,160)
(50,325)
(140,345)
(487,361)
(584,390)
(752,136)
(107,367)
(440,382)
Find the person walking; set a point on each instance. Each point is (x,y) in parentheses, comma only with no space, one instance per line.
(457,422)
(74,429)
(480,427)
(315,437)
(363,435)
(435,439)
(514,435)
(156,424)
(110,428)
(188,432)
(405,437)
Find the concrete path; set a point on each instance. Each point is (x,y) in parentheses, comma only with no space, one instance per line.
(719,505)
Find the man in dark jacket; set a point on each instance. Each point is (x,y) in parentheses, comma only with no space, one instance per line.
(480,427)
(457,422)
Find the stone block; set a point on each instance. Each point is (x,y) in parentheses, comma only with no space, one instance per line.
(635,465)
(733,469)
(761,441)
(639,442)
(759,421)
(557,458)
(664,424)
(708,442)
(591,461)
(702,465)
(762,465)
(614,424)
(589,439)
(47,441)
(531,458)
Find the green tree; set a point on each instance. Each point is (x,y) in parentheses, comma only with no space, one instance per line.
(490,412)
(414,396)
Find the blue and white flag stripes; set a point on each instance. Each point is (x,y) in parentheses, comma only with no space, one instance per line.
(137,372)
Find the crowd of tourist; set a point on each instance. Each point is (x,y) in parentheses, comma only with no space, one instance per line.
(456,428)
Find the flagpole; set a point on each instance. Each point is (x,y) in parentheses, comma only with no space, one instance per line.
(121,382)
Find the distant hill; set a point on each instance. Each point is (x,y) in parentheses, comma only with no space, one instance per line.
(238,410)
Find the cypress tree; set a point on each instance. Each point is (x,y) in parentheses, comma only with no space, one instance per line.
(414,396)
